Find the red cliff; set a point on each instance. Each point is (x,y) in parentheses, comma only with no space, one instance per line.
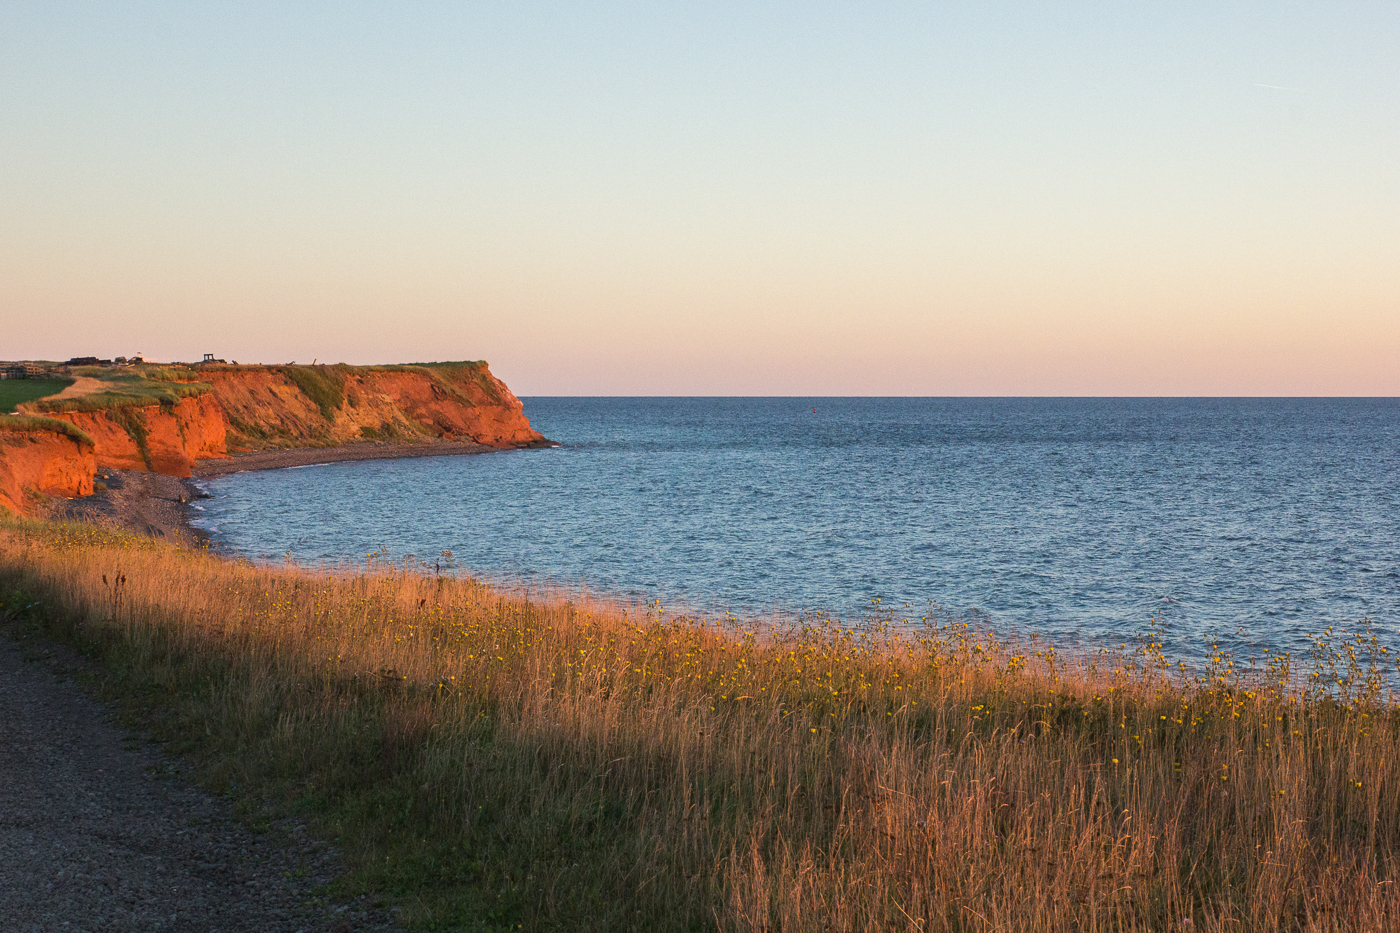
(161,438)
(37,462)
(299,406)
(246,408)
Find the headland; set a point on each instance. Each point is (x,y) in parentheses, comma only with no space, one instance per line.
(208,418)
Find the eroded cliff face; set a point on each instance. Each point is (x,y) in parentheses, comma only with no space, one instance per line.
(268,407)
(259,407)
(162,438)
(45,463)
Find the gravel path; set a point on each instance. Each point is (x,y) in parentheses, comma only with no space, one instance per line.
(98,831)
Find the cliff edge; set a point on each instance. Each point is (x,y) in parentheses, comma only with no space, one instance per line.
(324,406)
(165,419)
(38,460)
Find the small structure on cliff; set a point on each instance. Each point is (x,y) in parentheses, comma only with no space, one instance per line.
(23,371)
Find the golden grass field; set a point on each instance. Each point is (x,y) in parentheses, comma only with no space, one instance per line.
(492,761)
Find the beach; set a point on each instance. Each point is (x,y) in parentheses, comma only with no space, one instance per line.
(158,505)
(308,456)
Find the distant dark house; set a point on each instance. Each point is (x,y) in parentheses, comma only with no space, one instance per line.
(87,361)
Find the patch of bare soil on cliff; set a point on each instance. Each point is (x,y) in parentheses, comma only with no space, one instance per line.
(99,830)
(82,385)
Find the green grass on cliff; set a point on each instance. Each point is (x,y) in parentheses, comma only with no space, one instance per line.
(125,390)
(473,372)
(324,385)
(15,392)
(133,422)
(450,376)
(23,423)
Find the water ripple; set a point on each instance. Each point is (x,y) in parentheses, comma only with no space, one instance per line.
(1071,517)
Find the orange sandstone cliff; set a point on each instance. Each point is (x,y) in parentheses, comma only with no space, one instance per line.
(246,408)
(39,462)
(301,406)
(160,438)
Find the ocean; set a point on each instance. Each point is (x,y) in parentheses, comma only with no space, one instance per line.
(1085,521)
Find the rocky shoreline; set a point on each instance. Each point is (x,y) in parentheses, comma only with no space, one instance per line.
(150,504)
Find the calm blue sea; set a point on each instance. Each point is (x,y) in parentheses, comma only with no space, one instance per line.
(1081,519)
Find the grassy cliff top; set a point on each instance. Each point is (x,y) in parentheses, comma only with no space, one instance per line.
(16,392)
(23,424)
(109,388)
(102,388)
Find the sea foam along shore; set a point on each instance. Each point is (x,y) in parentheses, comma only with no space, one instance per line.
(491,759)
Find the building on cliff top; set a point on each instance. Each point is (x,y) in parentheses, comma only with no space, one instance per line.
(23,371)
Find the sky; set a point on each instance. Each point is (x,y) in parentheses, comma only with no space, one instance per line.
(726,198)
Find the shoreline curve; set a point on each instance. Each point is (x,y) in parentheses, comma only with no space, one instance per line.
(160,506)
(346,453)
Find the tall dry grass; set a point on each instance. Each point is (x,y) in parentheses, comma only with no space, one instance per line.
(493,761)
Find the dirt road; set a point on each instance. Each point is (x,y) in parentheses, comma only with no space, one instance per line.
(100,831)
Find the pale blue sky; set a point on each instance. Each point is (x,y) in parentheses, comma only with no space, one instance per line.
(810,198)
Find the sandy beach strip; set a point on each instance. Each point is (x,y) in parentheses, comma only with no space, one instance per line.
(158,506)
(307,456)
